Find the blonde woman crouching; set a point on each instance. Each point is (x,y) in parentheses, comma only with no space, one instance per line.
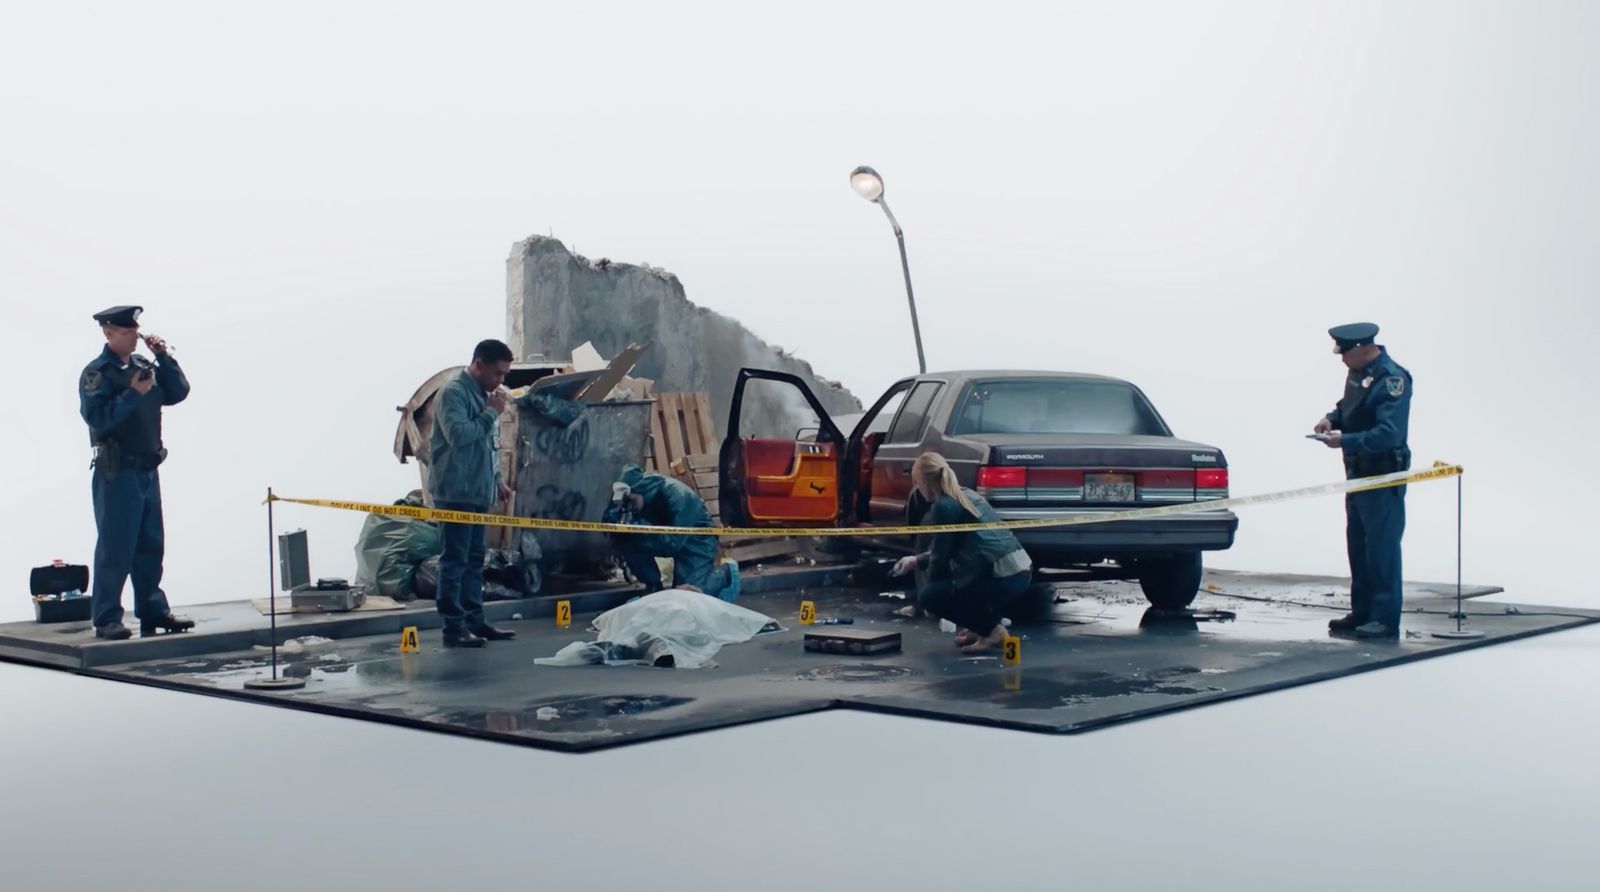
(972,576)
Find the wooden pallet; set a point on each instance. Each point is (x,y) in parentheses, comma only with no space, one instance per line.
(700,472)
(680,425)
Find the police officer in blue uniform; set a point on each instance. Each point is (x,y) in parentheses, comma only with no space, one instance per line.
(1369,425)
(120,396)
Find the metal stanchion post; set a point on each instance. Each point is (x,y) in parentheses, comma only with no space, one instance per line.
(275,683)
(1460,614)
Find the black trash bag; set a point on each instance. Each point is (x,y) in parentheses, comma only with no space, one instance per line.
(502,567)
(503,577)
(494,591)
(425,580)
(552,408)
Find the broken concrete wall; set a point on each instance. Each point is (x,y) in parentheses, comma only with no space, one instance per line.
(556,300)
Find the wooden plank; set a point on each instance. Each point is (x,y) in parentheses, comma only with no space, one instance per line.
(701,419)
(715,507)
(671,416)
(613,374)
(697,464)
(704,462)
(708,427)
(761,549)
(704,480)
(693,443)
(691,432)
(658,440)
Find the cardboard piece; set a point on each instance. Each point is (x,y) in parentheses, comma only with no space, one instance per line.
(614,372)
(585,358)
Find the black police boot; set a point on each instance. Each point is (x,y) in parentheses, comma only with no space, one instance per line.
(490,633)
(1346,623)
(461,638)
(168,623)
(1377,630)
(113,631)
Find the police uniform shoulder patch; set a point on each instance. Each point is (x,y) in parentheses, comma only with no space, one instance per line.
(1396,385)
(91,379)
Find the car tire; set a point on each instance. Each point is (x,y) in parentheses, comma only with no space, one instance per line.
(1034,605)
(1171,583)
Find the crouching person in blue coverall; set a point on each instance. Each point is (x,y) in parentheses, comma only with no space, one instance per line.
(654,500)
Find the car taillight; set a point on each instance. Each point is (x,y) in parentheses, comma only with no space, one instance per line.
(1002,478)
(1211,478)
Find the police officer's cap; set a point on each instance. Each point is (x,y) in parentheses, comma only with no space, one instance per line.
(124,317)
(1349,337)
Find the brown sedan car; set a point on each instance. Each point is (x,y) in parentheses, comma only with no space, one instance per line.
(1032,443)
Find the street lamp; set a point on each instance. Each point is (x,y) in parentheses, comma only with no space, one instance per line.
(869,184)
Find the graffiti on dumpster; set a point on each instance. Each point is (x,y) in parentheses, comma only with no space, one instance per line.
(555,504)
(564,445)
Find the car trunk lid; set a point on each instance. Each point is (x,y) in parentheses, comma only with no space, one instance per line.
(1097,470)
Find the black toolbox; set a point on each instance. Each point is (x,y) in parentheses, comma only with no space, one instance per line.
(48,585)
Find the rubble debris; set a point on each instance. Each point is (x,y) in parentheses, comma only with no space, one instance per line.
(555,300)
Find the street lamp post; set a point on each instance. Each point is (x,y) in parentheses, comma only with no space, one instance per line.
(869,184)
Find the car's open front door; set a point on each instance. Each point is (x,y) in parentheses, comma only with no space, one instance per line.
(780,482)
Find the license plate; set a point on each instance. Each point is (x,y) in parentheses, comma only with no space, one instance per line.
(1108,487)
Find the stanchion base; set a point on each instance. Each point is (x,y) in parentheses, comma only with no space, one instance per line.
(1462,633)
(274,684)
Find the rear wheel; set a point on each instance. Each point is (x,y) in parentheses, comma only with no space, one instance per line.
(1171,583)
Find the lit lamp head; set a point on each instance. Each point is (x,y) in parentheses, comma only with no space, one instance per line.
(866,181)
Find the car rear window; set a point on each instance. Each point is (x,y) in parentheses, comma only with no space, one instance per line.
(1056,407)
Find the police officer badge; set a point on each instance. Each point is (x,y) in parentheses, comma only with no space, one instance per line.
(1366,382)
(1396,385)
(91,380)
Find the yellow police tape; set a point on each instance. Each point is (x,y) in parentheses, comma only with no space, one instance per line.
(1439,471)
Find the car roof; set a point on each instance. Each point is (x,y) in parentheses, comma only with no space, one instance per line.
(989,374)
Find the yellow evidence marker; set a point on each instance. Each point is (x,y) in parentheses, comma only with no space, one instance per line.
(1011,650)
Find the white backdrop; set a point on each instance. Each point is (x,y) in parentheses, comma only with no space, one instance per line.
(314,202)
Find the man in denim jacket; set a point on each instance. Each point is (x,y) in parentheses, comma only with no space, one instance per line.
(464,475)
